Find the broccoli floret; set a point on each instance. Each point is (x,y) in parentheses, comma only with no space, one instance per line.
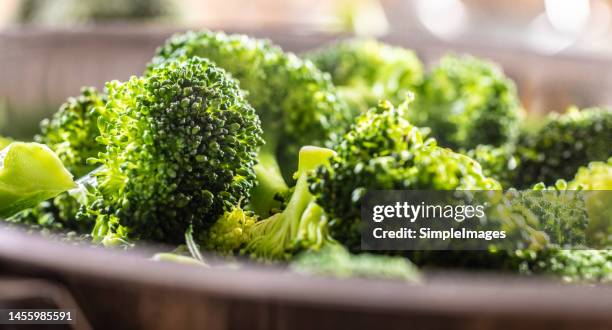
(590,266)
(29,174)
(71,133)
(382,150)
(335,261)
(562,144)
(230,232)
(296,102)
(596,180)
(180,146)
(466,102)
(499,163)
(301,225)
(73,129)
(367,71)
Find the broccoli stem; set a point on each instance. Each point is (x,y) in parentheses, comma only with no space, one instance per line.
(270,182)
(299,225)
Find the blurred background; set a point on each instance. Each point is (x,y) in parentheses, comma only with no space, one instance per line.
(558,51)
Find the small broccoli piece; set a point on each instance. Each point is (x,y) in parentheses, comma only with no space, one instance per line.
(384,151)
(367,71)
(563,144)
(71,133)
(180,146)
(231,231)
(466,102)
(301,225)
(499,163)
(583,266)
(335,261)
(4,142)
(596,180)
(29,174)
(296,102)
(73,129)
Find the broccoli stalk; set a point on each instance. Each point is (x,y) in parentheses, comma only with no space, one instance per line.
(270,181)
(302,224)
(29,174)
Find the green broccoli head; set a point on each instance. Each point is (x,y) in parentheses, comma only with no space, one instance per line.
(180,146)
(73,129)
(466,102)
(384,151)
(582,266)
(296,102)
(367,71)
(563,144)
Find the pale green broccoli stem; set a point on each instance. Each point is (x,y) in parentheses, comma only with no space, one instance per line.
(270,181)
(29,174)
(275,237)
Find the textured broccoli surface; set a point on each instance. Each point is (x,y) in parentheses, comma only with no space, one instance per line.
(230,232)
(382,150)
(590,266)
(367,71)
(180,146)
(73,129)
(499,163)
(563,144)
(296,102)
(466,102)
(596,180)
(335,261)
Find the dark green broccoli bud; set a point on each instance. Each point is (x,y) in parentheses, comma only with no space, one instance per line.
(466,102)
(302,225)
(367,71)
(59,213)
(296,102)
(335,261)
(563,144)
(180,146)
(383,150)
(73,129)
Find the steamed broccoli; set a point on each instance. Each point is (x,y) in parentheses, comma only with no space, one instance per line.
(296,102)
(29,174)
(73,129)
(302,224)
(367,71)
(466,102)
(596,180)
(382,150)
(562,144)
(499,163)
(335,261)
(71,133)
(180,146)
(230,232)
